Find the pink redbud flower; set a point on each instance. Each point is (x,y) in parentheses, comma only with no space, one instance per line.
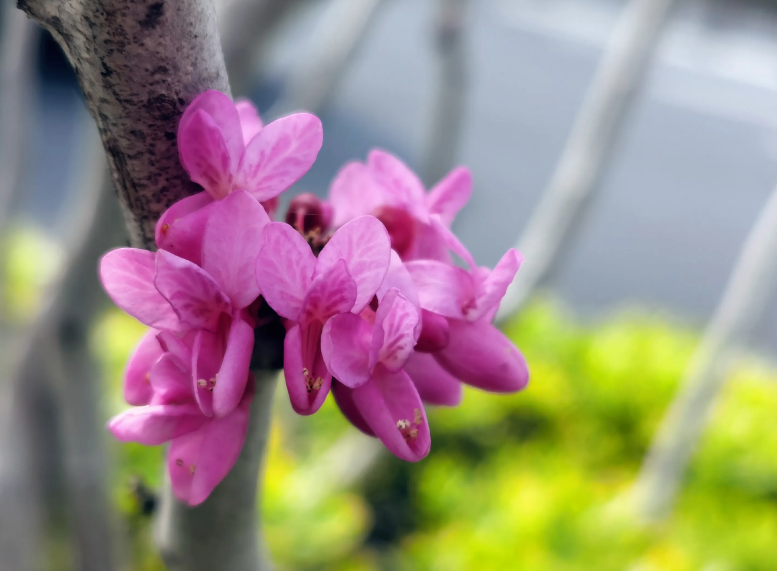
(225,147)
(387,189)
(309,290)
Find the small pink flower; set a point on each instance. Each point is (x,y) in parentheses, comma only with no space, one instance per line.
(308,291)
(203,449)
(373,390)
(171,293)
(386,188)
(225,147)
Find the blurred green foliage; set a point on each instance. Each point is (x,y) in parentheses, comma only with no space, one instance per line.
(534,481)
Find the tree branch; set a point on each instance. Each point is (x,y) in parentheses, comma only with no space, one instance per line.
(565,202)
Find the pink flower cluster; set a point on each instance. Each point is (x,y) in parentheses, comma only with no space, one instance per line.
(373,307)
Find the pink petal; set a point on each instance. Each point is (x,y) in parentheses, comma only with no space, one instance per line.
(435,385)
(284,284)
(391,406)
(179,348)
(195,296)
(365,246)
(344,399)
(398,277)
(480,355)
(355,192)
(450,194)
(205,155)
(400,181)
(429,245)
(279,155)
(442,288)
(231,246)
(207,356)
(170,383)
(450,240)
(127,274)
(345,345)
(250,122)
(156,424)
(225,115)
(331,293)
(181,227)
(491,290)
(199,461)
(394,331)
(435,333)
(233,375)
(303,401)
(137,389)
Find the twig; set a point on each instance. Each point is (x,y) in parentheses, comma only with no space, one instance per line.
(567,199)
(742,306)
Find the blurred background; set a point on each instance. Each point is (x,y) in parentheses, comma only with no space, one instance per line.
(638,136)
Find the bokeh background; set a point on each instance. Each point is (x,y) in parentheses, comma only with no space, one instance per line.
(537,481)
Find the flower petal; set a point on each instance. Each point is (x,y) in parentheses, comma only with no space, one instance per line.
(331,293)
(231,246)
(355,192)
(279,155)
(233,375)
(195,296)
(394,332)
(435,333)
(180,348)
(491,290)
(127,274)
(480,355)
(391,406)
(303,401)
(155,424)
(250,122)
(182,226)
(284,284)
(435,385)
(451,241)
(207,355)
(442,288)
(225,115)
(398,277)
(199,461)
(344,399)
(450,194)
(400,181)
(365,246)
(345,345)
(137,389)
(204,154)
(170,383)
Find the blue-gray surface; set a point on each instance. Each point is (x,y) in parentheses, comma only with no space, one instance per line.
(692,171)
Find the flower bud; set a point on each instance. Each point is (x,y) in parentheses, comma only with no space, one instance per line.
(307,213)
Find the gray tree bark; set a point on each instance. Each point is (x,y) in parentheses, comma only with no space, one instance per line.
(747,294)
(601,119)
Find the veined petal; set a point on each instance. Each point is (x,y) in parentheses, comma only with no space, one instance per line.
(393,336)
(250,122)
(442,288)
(195,296)
(137,388)
(233,375)
(391,406)
(331,293)
(354,192)
(284,269)
(450,194)
(365,246)
(307,387)
(155,424)
(231,246)
(198,461)
(205,155)
(225,115)
(492,289)
(181,227)
(403,183)
(127,274)
(279,155)
(480,355)
(345,345)
(344,399)
(435,385)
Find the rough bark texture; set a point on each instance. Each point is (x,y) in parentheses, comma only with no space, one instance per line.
(139,63)
(222,532)
(743,304)
(588,150)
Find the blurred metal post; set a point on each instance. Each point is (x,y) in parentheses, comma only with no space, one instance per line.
(567,199)
(748,291)
(447,112)
(331,47)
